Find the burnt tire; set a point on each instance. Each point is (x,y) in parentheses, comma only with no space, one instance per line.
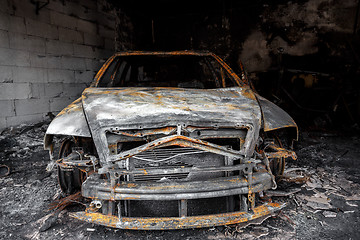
(277,165)
(70,180)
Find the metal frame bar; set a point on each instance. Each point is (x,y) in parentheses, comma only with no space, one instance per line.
(164,223)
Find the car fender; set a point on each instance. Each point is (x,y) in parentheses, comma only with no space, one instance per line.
(70,121)
(274,117)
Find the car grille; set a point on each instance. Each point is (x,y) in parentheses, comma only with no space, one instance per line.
(174,157)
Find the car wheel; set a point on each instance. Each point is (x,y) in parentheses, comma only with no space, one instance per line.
(70,180)
(277,165)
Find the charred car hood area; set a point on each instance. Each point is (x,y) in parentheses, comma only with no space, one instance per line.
(138,108)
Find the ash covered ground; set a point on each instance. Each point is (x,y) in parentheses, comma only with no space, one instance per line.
(326,177)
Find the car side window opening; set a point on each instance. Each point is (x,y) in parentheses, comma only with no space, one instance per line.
(165,71)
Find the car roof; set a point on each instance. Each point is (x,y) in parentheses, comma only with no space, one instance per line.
(159,53)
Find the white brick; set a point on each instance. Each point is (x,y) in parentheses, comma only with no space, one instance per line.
(25,42)
(84,51)
(17,120)
(7,108)
(54,61)
(45,61)
(109,44)
(58,104)
(41,29)
(29,75)
(106,32)
(57,5)
(84,76)
(38,60)
(106,20)
(93,40)
(68,35)
(6,7)
(57,75)
(14,57)
(86,26)
(17,24)
(37,90)
(10,91)
(74,90)
(27,9)
(4,21)
(3,124)
(103,53)
(57,47)
(31,106)
(89,4)
(93,64)
(4,39)
(54,90)
(63,20)
(6,75)
(78,10)
(73,63)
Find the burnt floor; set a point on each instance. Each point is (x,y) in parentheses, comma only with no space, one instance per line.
(326,206)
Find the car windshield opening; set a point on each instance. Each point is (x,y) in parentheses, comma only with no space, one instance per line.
(164,71)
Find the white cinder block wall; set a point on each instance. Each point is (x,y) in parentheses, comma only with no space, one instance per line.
(47,59)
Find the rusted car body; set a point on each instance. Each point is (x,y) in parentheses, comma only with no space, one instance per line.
(170,140)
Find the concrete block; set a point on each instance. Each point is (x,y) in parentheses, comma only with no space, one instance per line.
(110,44)
(93,64)
(74,90)
(93,40)
(86,26)
(37,90)
(106,20)
(58,104)
(27,9)
(60,48)
(106,32)
(17,24)
(73,63)
(84,51)
(3,123)
(9,91)
(54,62)
(58,75)
(27,119)
(14,57)
(29,75)
(31,106)
(69,35)
(57,6)
(6,75)
(7,108)
(6,7)
(63,20)
(41,29)
(84,76)
(103,53)
(4,39)
(54,90)
(4,21)
(39,60)
(79,10)
(89,4)
(28,43)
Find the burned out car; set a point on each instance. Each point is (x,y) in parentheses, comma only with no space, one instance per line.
(170,140)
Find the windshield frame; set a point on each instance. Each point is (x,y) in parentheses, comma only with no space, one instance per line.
(231,74)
